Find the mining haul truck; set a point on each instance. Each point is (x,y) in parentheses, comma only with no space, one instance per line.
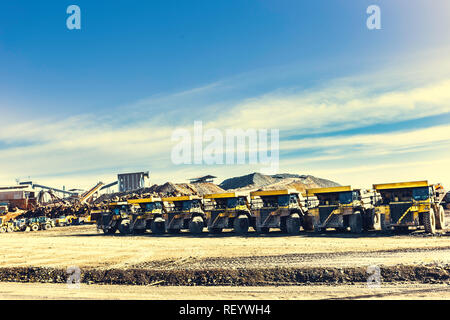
(111,217)
(145,213)
(228,210)
(277,209)
(183,212)
(342,208)
(411,204)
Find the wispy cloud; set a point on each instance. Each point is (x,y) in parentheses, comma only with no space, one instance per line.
(138,135)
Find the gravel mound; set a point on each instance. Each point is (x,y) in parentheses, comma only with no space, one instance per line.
(279,181)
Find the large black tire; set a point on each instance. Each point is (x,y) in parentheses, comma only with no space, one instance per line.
(283,225)
(124,227)
(440,218)
(429,221)
(196,225)
(241,224)
(158,226)
(355,222)
(10,229)
(110,230)
(308,222)
(2,229)
(383,223)
(34,227)
(47,226)
(293,223)
(371,221)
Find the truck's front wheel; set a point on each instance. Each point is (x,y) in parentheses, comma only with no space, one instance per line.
(440,218)
(429,221)
(293,224)
(241,224)
(196,225)
(355,221)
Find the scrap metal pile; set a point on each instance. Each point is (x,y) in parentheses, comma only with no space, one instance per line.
(48,211)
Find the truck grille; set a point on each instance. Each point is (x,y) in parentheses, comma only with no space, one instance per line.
(398,209)
(324,212)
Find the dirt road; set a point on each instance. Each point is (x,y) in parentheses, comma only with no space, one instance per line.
(84,247)
(61,291)
(332,265)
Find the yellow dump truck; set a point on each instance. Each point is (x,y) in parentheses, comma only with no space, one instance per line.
(342,208)
(411,204)
(95,214)
(145,213)
(183,212)
(111,217)
(277,209)
(227,210)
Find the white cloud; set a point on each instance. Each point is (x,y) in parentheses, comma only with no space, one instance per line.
(93,147)
(337,108)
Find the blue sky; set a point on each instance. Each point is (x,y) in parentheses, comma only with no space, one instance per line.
(353,105)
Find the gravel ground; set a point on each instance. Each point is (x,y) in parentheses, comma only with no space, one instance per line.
(339,261)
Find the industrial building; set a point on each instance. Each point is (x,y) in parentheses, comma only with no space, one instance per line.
(22,197)
(132,181)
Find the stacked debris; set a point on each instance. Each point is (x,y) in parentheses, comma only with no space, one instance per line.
(53,212)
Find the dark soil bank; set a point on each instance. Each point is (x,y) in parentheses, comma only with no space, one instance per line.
(236,277)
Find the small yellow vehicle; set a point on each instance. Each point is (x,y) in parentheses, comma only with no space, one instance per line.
(111,217)
(5,226)
(145,213)
(63,221)
(228,210)
(342,208)
(277,209)
(411,204)
(183,212)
